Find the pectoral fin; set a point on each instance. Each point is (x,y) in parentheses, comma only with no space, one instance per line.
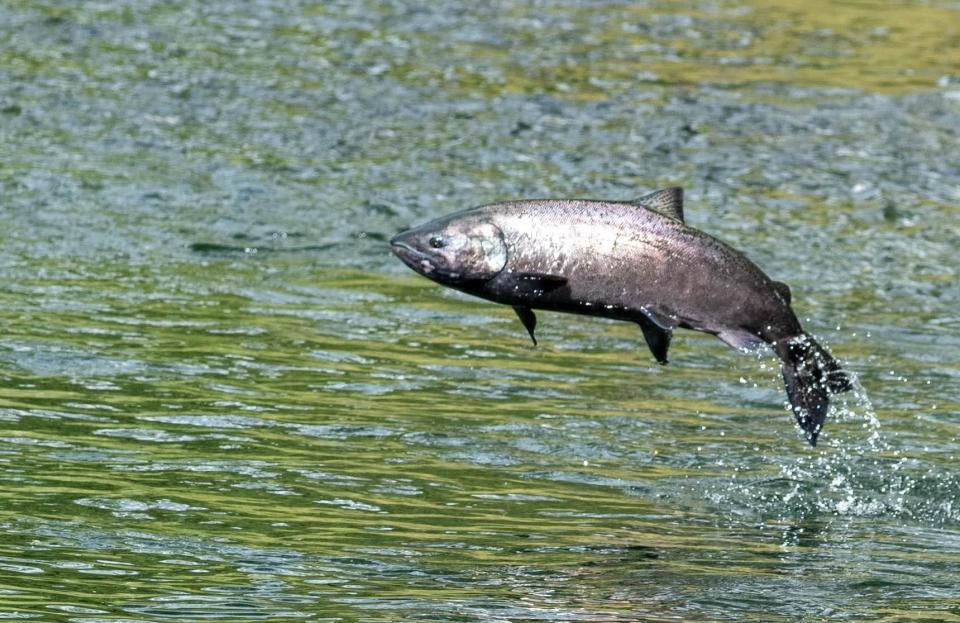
(657,339)
(536,283)
(529,320)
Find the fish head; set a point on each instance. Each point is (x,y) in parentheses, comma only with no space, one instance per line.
(454,250)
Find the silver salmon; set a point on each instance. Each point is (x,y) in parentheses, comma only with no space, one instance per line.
(635,261)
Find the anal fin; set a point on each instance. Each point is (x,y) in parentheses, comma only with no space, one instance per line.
(529,320)
(741,339)
(660,318)
(658,339)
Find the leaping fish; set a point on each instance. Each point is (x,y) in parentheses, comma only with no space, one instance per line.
(635,261)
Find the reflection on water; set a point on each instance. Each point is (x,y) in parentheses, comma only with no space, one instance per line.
(222,399)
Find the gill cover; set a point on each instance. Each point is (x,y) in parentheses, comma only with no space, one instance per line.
(475,252)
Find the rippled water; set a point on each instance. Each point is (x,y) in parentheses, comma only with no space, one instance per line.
(222,399)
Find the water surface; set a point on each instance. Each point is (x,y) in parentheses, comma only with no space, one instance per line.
(222,399)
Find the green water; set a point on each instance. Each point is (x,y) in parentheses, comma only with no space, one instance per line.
(222,398)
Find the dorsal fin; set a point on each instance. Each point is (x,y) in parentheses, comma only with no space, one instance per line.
(668,202)
(783,290)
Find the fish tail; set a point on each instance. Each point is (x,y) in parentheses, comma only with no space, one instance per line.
(811,374)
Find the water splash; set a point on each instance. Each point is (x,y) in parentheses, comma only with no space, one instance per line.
(859,470)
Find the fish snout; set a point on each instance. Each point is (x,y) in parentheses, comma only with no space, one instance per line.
(400,245)
(409,254)
(405,240)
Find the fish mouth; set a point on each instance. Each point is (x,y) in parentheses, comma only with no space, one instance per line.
(410,256)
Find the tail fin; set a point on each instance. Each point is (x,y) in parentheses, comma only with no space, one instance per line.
(811,374)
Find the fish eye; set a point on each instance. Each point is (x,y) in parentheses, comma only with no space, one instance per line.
(436,242)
